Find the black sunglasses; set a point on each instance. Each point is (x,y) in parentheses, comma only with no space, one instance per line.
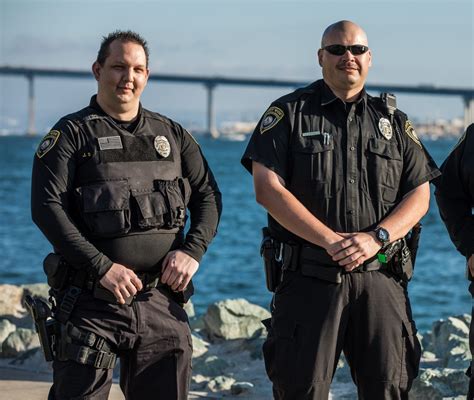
(340,49)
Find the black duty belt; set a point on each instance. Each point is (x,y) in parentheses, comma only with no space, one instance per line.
(315,262)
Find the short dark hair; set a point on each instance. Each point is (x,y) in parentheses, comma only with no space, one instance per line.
(123,36)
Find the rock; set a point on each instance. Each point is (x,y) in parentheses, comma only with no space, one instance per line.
(210,366)
(33,360)
(442,330)
(10,301)
(458,358)
(19,341)
(198,381)
(254,347)
(343,372)
(6,327)
(197,324)
(220,383)
(234,319)
(189,308)
(36,289)
(428,355)
(436,384)
(241,387)
(199,346)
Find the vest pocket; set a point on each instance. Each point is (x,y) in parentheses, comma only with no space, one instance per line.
(105,207)
(164,206)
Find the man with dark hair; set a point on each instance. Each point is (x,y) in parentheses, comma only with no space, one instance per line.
(110,188)
(344,178)
(122,36)
(455,198)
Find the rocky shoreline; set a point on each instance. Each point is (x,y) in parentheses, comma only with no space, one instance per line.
(227,358)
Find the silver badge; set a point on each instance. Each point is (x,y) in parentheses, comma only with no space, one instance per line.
(162,146)
(385,128)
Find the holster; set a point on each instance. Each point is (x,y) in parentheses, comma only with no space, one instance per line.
(46,327)
(402,264)
(278,256)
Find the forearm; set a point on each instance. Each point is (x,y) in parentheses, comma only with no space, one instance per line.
(285,208)
(408,212)
(205,209)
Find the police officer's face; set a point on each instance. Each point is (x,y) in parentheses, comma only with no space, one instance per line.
(123,76)
(346,72)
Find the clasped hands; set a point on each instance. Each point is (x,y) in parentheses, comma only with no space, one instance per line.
(178,269)
(353,249)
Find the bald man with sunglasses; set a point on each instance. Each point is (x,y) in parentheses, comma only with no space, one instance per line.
(342,175)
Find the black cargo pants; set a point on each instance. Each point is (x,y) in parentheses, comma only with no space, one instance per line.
(367,316)
(152,339)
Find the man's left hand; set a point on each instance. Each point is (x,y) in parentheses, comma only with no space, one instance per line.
(178,269)
(354,249)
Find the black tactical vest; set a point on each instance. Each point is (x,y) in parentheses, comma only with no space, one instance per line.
(130,183)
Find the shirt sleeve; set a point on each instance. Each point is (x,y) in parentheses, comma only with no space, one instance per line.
(269,143)
(52,199)
(454,198)
(418,165)
(205,204)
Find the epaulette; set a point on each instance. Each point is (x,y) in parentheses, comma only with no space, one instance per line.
(298,93)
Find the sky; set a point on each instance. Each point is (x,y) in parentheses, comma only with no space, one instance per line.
(414,42)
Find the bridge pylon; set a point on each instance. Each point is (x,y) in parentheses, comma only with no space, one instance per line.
(468,111)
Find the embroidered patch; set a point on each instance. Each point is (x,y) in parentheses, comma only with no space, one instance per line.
(385,128)
(47,143)
(410,131)
(271,118)
(110,143)
(162,146)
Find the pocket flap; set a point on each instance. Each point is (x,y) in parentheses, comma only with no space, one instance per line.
(105,196)
(313,145)
(150,204)
(384,149)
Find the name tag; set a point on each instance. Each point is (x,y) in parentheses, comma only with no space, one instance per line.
(326,135)
(110,143)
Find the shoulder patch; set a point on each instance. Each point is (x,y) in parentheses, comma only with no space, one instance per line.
(410,131)
(47,143)
(271,117)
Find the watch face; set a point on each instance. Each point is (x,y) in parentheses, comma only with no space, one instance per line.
(382,235)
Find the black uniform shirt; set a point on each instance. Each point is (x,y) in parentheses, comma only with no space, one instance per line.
(455,193)
(334,158)
(61,161)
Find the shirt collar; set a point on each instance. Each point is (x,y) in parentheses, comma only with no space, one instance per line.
(95,105)
(328,97)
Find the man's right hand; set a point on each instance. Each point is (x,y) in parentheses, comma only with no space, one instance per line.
(122,282)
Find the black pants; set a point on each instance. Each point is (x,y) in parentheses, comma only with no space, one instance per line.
(368,316)
(152,339)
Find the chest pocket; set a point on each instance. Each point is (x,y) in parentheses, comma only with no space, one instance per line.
(312,170)
(164,206)
(105,207)
(384,169)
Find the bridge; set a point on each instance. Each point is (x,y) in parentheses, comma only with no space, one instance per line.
(210,83)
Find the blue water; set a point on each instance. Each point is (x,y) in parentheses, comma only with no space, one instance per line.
(231,268)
